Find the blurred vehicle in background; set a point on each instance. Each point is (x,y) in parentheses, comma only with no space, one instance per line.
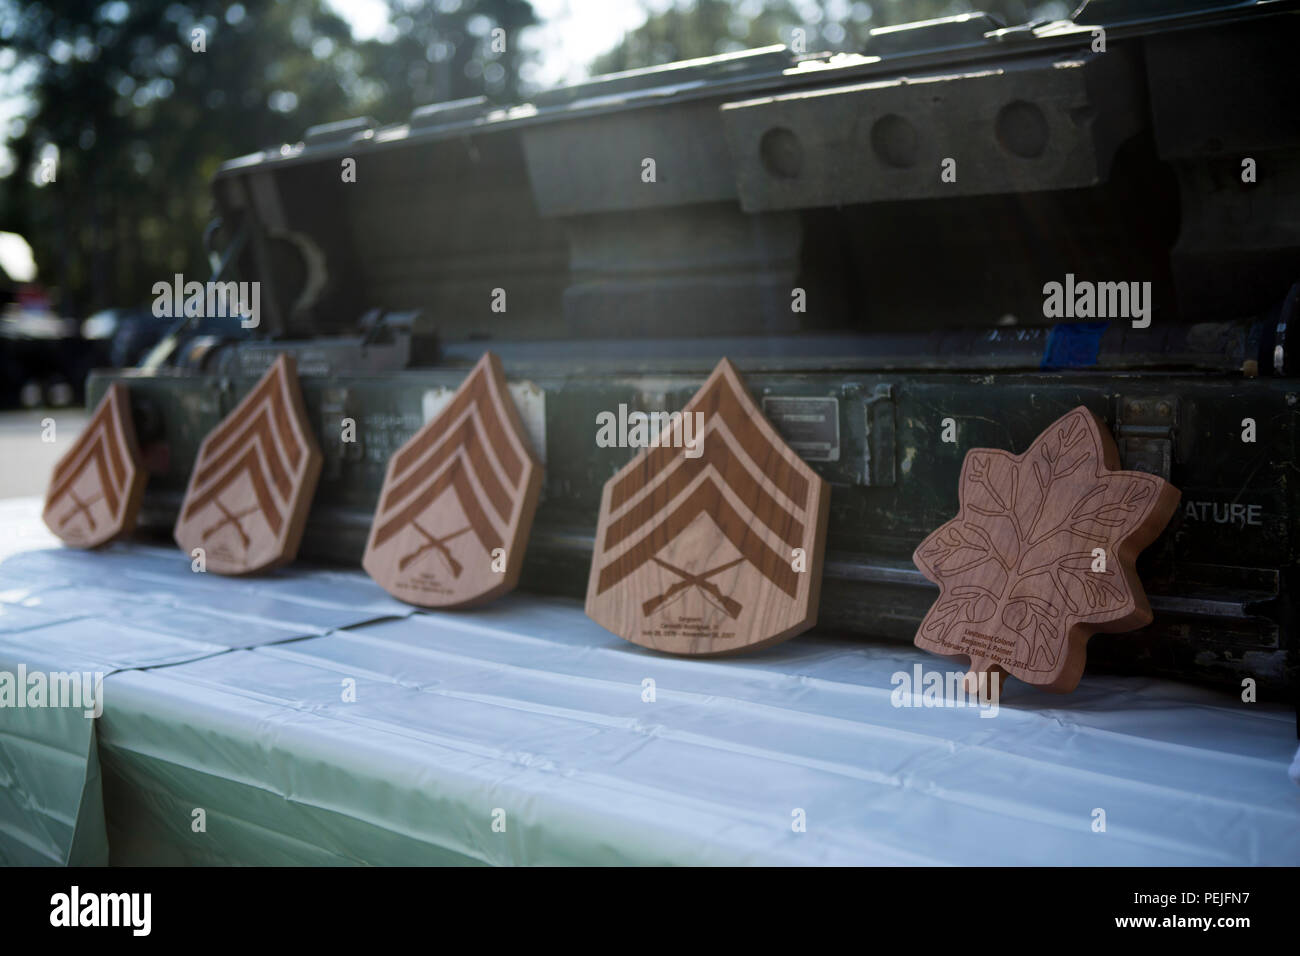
(45,357)
(125,335)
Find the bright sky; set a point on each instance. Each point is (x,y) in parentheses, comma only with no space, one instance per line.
(572,32)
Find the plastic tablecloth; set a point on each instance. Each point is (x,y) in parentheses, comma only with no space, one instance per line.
(523,733)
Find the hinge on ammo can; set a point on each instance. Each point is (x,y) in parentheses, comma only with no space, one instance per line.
(878,466)
(1144,432)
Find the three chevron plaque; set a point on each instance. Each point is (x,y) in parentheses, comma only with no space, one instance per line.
(96,490)
(458,500)
(716,553)
(253,481)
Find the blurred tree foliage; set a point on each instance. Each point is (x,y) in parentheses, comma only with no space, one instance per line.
(141,118)
(695,28)
(446,50)
(686,31)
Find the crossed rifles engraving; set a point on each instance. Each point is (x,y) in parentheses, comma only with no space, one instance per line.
(230,518)
(83,507)
(433,543)
(710,590)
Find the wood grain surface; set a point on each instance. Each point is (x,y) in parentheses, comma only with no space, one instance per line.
(457,505)
(1041,554)
(698,555)
(95,492)
(253,481)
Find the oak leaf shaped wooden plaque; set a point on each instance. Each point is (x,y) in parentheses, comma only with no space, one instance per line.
(1041,554)
(458,500)
(95,492)
(712,549)
(252,483)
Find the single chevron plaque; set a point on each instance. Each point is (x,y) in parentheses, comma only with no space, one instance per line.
(252,483)
(1041,554)
(711,541)
(458,500)
(95,492)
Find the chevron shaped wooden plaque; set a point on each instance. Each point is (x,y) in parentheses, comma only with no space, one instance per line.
(1041,554)
(717,551)
(458,500)
(95,492)
(253,481)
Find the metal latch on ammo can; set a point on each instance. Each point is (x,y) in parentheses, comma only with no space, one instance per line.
(1144,432)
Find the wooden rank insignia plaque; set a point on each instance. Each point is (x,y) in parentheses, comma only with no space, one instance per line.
(716,548)
(253,481)
(457,503)
(1041,554)
(96,490)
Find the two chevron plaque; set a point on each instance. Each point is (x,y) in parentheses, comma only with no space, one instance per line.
(1041,554)
(457,503)
(252,484)
(95,493)
(714,552)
